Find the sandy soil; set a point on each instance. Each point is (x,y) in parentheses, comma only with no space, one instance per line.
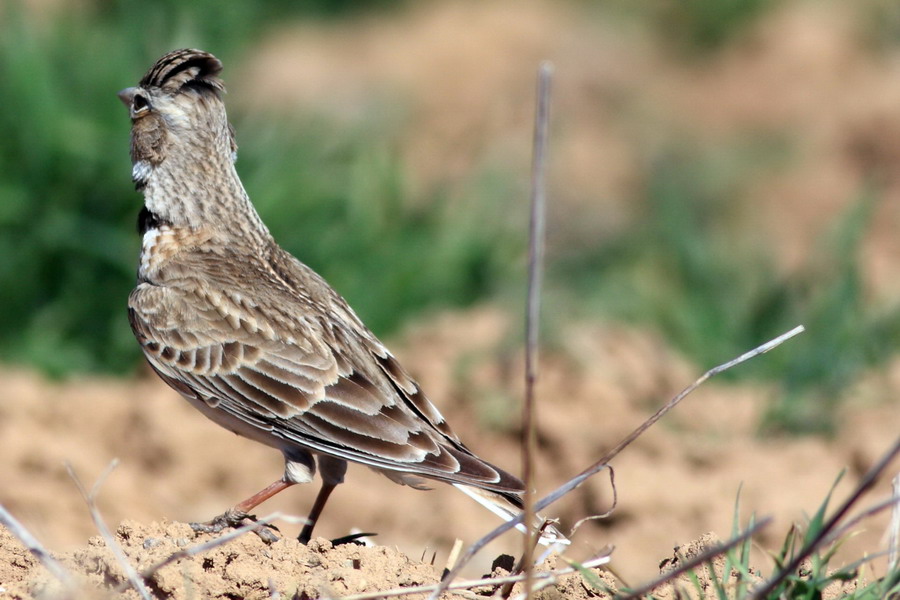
(244,568)
(679,481)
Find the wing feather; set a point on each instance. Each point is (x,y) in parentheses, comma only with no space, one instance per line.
(326,384)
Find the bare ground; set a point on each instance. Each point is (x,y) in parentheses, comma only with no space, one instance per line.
(676,483)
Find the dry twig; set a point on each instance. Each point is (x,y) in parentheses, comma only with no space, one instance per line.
(454,554)
(533,312)
(540,578)
(895,525)
(34,546)
(844,529)
(602,463)
(91,500)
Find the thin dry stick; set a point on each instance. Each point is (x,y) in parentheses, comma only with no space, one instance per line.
(454,554)
(615,502)
(894,526)
(695,562)
(90,499)
(841,531)
(466,585)
(602,463)
(864,560)
(34,546)
(865,484)
(541,583)
(533,311)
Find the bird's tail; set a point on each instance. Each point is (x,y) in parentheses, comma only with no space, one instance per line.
(508,506)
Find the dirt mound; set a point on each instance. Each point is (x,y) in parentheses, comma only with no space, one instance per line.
(244,567)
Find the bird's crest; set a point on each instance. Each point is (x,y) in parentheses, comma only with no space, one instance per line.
(187,67)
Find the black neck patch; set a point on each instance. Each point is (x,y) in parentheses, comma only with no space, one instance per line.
(148,220)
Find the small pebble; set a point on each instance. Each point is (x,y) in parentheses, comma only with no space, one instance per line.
(313,561)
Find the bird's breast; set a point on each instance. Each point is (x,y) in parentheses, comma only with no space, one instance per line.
(161,244)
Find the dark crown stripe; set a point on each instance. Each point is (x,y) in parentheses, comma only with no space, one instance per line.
(177,61)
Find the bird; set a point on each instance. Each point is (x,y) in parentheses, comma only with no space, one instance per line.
(253,338)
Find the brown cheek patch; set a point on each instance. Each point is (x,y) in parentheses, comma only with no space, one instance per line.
(147,139)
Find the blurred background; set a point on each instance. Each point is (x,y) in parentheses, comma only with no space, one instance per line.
(720,171)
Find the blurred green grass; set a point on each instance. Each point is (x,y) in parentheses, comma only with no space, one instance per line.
(696,269)
(336,196)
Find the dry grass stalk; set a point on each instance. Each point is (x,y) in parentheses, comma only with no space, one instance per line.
(35,547)
(90,499)
(541,579)
(603,462)
(454,554)
(533,312)
(894,531)
(846,528)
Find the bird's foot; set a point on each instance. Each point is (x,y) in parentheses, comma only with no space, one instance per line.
(232,519)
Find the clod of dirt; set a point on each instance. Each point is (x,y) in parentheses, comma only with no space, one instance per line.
(686,585)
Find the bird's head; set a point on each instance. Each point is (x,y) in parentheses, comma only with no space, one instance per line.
(177,113)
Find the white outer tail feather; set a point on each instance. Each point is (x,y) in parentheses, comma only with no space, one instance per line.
(550,537)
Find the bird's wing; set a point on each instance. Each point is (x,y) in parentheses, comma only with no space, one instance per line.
(315,380)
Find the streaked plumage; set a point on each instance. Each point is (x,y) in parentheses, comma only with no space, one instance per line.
(252,337)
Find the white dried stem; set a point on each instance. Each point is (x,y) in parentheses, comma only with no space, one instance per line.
(34,546)
(894,530)
(539,578)
(90,499)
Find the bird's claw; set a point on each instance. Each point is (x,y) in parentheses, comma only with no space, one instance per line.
(232,519)
(353,538)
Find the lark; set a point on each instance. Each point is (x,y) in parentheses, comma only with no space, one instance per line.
(252,337)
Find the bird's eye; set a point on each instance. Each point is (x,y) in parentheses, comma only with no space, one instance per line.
(139,104)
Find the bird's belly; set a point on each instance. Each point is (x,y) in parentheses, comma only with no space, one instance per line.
(239,426)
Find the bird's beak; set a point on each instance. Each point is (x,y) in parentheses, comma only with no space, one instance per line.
(126,96)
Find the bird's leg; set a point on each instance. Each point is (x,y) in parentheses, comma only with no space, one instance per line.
(313,517)
(332,471)
(239,515)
